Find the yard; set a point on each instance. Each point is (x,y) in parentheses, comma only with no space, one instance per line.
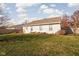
(38,45)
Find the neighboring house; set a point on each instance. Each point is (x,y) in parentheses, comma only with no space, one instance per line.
(48,25)
(16,28)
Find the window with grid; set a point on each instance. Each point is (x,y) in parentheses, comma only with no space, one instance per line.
(50,28)
(40,28)
(31,29)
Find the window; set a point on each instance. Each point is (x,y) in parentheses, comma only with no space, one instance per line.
(40,28)
(31,29)
(50,28)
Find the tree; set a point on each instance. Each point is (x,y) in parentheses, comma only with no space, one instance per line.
(3,17)
(75,20)
(65,26)
(65,22)
(3,21)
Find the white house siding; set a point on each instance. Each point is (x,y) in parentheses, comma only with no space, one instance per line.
(35,29)
(56,27)
(24,30)
(43,28)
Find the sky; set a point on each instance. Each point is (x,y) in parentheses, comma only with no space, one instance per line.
(21,12)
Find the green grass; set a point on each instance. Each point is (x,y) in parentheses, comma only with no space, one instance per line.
(39,44)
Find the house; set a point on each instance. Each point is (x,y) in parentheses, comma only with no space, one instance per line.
(48,25)
(16,28)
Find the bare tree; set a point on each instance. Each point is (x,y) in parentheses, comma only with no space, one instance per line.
(75,20)
(65,26)
(3,17)
(65,22)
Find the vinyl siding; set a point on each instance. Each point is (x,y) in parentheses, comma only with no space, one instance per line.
(44,28)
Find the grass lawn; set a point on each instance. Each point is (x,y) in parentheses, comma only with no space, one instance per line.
(39,44)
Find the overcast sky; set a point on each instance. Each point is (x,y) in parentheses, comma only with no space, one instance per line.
(19,12)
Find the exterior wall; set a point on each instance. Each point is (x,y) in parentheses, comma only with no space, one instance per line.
(55,28)
(35,29)
(77,30)
(43,28)
(24,30)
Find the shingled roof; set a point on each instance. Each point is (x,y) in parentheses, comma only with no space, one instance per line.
(45,21)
